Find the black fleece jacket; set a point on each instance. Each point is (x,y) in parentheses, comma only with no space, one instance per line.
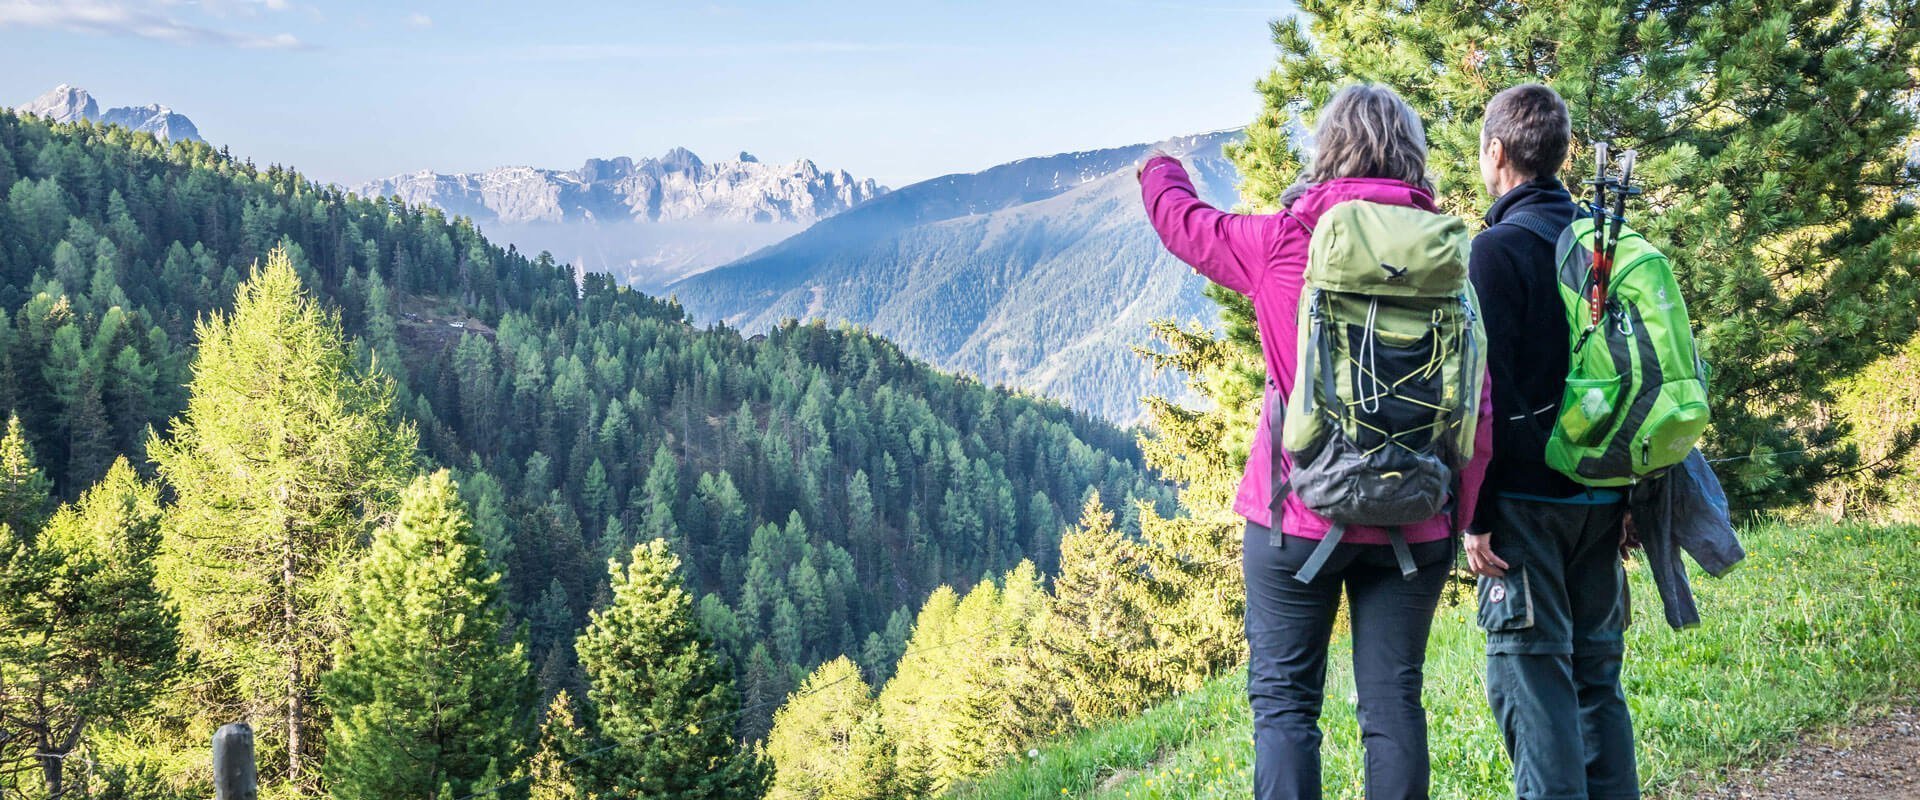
(1512,270)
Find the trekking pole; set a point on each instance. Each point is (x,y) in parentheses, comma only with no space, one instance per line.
(1621,191)
(1602,264)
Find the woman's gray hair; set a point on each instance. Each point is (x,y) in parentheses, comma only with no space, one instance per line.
(1367,131)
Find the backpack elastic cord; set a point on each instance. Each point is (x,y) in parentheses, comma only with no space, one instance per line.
(1321,553)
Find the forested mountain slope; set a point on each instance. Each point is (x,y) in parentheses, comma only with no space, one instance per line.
(816,482)
(1040,274)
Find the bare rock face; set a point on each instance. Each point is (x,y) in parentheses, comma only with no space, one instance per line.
(73,104)
(64,104)
(676,187)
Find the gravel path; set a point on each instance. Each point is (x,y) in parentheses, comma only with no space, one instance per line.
(1879,760)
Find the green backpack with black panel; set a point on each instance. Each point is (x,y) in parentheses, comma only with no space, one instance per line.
(1392,359)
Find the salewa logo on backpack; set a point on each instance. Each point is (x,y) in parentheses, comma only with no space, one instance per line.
(1395,275)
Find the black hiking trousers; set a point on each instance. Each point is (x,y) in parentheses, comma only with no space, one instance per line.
(1555,625)
(1289,624)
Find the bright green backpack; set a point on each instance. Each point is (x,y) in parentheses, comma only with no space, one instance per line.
(1392,355)
(1636,396)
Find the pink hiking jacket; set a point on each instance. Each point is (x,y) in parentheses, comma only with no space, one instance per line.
(1264,257)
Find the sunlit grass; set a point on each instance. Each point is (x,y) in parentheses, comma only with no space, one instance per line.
(1818,627)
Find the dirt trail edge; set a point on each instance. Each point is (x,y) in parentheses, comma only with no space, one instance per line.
(1878,760)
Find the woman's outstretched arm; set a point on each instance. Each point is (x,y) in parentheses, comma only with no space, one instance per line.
(1232,250)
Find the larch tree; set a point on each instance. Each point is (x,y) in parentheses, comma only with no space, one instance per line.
(86,639)
(551,772)
(1003,699)
(914,702)
(964,695)
(287,457)
(430,690)
(1775,139)
(25,492)
(1093,643)
(662,702)
(827,742)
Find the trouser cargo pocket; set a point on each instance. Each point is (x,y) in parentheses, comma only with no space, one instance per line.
(1506,603)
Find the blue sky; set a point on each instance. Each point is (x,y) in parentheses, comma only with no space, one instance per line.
(895,91)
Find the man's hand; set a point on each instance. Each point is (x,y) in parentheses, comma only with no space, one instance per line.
(1140,170)
(1480,557)
(1629,536)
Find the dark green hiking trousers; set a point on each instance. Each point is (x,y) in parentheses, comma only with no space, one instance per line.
(1555,626)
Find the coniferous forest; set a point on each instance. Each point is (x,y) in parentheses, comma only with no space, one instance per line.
(344,469)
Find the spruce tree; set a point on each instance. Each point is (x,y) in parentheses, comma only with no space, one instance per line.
(827,743)
(25,493)
(284,461)
(654,503)
(1775,151)
(430,690)
(662,703)
(89,437)
(86,639)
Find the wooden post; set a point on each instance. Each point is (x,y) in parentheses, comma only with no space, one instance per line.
(234,775)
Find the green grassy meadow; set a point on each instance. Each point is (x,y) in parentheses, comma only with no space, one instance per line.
(1819,626)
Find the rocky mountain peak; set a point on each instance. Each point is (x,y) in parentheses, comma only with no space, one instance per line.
(681,159)
(677,186)
(68,103)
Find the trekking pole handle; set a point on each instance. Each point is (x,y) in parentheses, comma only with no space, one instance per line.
(1621,191)
(1626,168)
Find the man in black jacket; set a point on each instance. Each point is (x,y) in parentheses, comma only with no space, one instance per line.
(1552,588)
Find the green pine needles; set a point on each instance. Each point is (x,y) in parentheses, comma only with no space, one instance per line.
(663,702)
(432,688)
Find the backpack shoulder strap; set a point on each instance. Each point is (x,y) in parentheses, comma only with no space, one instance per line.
(1535,223)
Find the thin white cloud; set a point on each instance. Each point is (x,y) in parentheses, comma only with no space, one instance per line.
(133,19)
(626,51)
(419,20)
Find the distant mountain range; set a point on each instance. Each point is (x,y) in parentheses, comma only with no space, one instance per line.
(72,104)
(1041,274)
(648,221)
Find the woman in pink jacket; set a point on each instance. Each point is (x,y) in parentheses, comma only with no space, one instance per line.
(1369,145)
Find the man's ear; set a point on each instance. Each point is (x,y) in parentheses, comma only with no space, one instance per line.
(1496,152)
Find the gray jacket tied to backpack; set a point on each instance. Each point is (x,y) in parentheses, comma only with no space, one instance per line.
(1684,510)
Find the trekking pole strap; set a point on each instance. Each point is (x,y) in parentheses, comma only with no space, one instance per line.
(1321,553)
